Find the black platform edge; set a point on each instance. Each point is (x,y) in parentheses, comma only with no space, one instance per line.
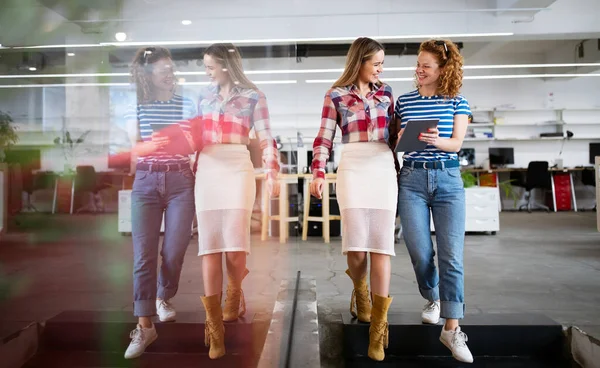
(446,362)
(109,332)
(491,335)
(86,359)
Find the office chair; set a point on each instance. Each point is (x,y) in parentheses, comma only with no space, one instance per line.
(86,181)
(588,179)
(537,177)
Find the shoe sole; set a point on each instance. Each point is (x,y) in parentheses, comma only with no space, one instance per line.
(142,352)
(430,322)
(172,319)
(449,348)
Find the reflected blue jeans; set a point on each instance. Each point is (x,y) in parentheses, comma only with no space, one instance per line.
(154,193)
(440,191)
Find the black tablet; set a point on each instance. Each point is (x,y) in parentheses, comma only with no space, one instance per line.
(410,138)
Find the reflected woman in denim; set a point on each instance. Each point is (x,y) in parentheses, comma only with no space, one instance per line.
(430,181)
(164,185)
(225,183)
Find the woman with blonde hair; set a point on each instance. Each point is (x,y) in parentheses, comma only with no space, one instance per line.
(430,181)
(225,182)
(363,106)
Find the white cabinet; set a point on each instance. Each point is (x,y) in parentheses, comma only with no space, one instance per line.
(482,214)
(125,212)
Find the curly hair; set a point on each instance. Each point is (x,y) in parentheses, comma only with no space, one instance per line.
(451,61)
(141,70)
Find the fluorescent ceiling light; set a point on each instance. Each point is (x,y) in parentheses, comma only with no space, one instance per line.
(517,66)
(475,77)
(70,54)
(32,68)
(57,46)
(186,22)
(121,39)
(306,71)
(64,85)
(128,84)
(64,75)
(523,76)
(297,40)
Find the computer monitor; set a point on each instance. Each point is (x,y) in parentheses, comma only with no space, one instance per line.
(500,156)
(466,157)
(594,151)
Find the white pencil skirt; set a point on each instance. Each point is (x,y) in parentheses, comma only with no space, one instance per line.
(367,194)
(225,193)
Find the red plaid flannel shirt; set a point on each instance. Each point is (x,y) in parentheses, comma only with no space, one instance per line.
(229,121)
(360,120)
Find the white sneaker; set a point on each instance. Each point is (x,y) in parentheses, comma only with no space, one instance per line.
(165,311)
(456,341)
(140,339)
(431,313)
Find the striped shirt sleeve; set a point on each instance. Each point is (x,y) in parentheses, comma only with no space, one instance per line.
(461,106)
(324,142)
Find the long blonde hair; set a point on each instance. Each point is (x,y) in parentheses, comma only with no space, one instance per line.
(451,61)
(228,56)
(361,50)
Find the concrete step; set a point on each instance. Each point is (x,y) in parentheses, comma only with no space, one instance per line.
(489,335)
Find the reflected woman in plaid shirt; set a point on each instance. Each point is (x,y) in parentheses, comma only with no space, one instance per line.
(362,107)
(225,183)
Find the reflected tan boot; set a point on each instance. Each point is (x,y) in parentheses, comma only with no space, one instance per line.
(378,331)
(360,303)
(214,331)
(235,305)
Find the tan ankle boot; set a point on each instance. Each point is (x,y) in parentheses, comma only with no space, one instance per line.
(378,331)
(214,331)
(360,303)
(235,305)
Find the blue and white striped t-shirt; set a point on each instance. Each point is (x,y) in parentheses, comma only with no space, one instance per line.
(177,110)
(413,106)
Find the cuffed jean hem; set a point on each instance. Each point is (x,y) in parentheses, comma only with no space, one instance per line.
(165,294)
(430,294)
(452,310)
(144,308)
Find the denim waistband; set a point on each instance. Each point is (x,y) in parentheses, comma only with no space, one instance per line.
(439,165)
(162,167)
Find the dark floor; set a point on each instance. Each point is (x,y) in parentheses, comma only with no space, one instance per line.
(547,263)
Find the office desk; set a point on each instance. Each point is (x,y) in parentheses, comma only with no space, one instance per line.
(553,172)
(64,188)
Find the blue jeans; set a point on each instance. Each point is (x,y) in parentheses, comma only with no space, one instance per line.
(442,192)
(154,193)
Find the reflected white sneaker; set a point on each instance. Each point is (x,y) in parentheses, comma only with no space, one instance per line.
(165,311)
(140,339)
(456,341)
(431,313)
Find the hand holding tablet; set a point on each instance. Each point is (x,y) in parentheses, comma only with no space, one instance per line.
(176,142)
(409,141)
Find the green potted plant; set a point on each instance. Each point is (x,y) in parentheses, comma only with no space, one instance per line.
(8,134)
(69,146)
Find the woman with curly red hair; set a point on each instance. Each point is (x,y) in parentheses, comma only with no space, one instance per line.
(430,182)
